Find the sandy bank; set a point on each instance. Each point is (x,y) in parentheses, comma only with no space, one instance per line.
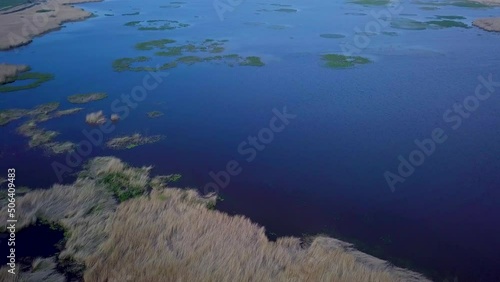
(489,24)
(123,225)
(8,73)
(21,26)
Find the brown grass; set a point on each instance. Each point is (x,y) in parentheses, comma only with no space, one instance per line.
(170,235)
(95,118)
(19,28)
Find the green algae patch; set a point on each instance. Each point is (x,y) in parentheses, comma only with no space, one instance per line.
(86,98)
(131,14)
(286,10)
(36,78)
(189,53)
(429,8)
(155,114)
(132,141)
(332,35)
(410,24)
(451,17)
(338,61)
(447,24)
(252,61)
(189,60)
(150,45)
(125,64)
(157,25)
(372,2)
(469,4)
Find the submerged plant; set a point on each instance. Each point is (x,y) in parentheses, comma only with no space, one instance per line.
(341,61)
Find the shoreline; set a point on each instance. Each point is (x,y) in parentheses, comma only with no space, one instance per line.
(19,27)
(180,234)
(491,24)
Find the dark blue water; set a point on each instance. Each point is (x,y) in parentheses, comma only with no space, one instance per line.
(324,172)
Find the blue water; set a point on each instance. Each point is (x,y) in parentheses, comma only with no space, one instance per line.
(324,172)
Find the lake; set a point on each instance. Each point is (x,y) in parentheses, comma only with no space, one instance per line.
(324,172)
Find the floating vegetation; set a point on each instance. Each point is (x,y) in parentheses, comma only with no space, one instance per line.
(372,2)
(44,11)
(469,4)
(355,14)
(41,137)
(131,14)
(429,8)
(173,4)
(132,141)
(389,33)
(332,35)
(36,78)
(150,45)
(125,64)
(86,98)
(447,24)
(410,24)
(252,61)
(44,139)
(340,61)
(462,3)
(183,54)
(157,25)
(286,10)
(450,18)
(67,112)
(114,118)
(95,118)
(9,115)
(40,113)
(155,114)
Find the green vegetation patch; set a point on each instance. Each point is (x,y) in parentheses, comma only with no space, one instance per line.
(44,11)
(131,14)
(86,98)
(410,24)
(340,61)
(372,2)
(451,17)
(187,53)
(122,186)
(286,10)
(150,45)
(37,79)
(9,115)
(132,141)
(447,24)
(155,114)
(332,35)
(252,61)
(125,64)
(157,24)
